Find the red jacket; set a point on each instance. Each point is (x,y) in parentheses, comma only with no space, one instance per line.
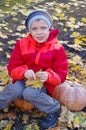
(49,56)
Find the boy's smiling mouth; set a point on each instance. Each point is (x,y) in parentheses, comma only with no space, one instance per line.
(40,38)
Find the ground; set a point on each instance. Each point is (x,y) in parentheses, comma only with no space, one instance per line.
(70,19)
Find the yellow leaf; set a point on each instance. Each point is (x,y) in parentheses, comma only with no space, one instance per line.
(4,77)
(70,63)
(34,83)
(63,18)
(25,119)
(76,60)
(66,7)
(60,14)
(70,25)
(79,119)
(21,27)
(7,55)
(80,39)
(37,127)
(76,122)
(83,72)
(3,74)
(65,29)
(83,20)
(5,80)
(1,49)
(72,20)
(9,125)
(83,39)
(3,35)
(5,109)
(11,42)
(55,18)
(78,68)
(29,127)
(77,41)
(75,34)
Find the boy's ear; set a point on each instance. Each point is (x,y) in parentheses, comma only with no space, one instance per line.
(51,28)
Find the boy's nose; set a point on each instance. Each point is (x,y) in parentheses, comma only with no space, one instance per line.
(39,31)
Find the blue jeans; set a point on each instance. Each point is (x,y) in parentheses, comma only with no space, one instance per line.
(38,97)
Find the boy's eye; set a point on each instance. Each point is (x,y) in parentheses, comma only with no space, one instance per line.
(43,27)
(34,28)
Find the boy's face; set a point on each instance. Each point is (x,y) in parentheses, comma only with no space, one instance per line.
(39,30)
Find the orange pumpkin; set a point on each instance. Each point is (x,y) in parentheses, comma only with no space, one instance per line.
(71,94)
(22,104)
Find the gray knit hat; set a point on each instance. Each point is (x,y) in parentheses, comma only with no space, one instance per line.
(38,14)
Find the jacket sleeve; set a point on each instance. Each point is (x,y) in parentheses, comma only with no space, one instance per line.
(15,67)
(58,73)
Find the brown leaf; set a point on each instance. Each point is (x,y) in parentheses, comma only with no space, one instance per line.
(9,115)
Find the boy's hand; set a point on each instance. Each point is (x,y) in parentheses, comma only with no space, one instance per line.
(42,75)
(29,74)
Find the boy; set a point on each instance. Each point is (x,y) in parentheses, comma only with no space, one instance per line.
(40,50)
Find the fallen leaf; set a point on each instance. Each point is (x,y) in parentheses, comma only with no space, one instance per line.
(83,20)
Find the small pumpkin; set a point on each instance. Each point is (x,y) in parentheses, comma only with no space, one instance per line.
(71,94)
(22,104)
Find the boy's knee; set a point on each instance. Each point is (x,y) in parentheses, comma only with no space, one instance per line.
(30,92)
(18,86)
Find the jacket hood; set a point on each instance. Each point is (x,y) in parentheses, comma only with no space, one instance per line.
(53,34)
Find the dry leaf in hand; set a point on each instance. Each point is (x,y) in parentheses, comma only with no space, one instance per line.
(34,83)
